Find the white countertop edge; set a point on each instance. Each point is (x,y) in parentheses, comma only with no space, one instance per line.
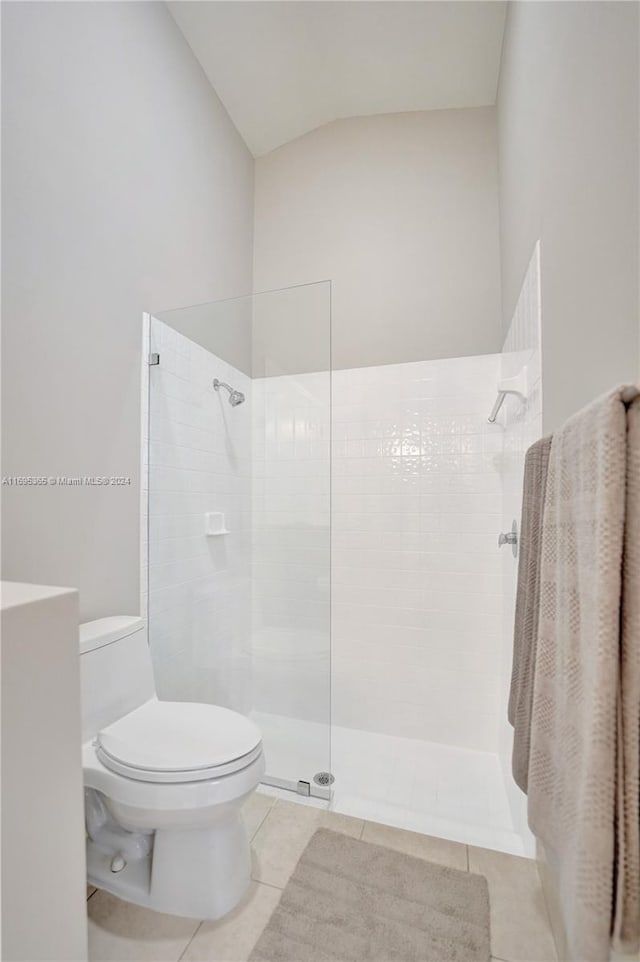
(15,594)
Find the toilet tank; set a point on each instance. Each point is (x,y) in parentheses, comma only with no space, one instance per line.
(115,670)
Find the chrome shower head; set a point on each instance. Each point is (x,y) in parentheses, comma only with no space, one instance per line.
(235,397)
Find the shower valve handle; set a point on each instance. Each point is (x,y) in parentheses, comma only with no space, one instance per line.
(510,537)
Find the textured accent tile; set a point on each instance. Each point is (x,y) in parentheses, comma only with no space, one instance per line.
(520,927)
(120,931)
(282,837)
(438,850)
(232,938)
(417,503)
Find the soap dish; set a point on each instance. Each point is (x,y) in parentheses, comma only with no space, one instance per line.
(214,524)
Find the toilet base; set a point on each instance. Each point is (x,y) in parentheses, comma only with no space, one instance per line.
(197,873)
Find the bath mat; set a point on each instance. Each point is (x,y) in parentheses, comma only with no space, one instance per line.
(351,900)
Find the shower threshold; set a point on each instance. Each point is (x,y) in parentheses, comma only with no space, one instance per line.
(426,787)
(302,787)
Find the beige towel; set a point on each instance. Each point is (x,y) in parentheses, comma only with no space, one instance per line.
(626,929)
(525,634)
(582,794)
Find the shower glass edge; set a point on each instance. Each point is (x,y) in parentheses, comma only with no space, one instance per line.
(239,518)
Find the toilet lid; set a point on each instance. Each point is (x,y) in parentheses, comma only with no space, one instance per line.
(179,741)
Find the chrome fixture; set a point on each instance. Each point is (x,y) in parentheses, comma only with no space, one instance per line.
(324,778)
(235,397)
(510,537)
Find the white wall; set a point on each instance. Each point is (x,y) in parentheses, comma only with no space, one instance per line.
(125,188)
(225,328)
(568,134)
(401,212)
(416,500)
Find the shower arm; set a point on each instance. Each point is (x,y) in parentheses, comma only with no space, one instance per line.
(217,384)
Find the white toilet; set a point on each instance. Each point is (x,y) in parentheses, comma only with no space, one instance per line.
(164,782)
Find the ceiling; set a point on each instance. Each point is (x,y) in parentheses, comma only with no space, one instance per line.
(284,68)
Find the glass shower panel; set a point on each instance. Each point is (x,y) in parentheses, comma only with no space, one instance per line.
(239,518)
(291,531)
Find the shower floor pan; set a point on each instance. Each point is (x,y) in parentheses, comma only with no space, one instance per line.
(426,787)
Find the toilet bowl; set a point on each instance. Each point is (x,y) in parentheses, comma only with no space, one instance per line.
(164,782)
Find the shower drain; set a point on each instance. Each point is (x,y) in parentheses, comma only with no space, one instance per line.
(324,778)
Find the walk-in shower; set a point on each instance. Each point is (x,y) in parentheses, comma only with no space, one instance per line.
(325,559)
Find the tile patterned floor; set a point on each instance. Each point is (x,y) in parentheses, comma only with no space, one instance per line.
(280,830)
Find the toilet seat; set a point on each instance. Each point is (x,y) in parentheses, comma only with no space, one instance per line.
(178,742)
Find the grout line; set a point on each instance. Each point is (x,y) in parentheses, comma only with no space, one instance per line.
(467,851)
(197,929)
(271,885)
(262,821)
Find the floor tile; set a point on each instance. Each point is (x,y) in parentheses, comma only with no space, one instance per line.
(282,837)
(255,810)
(233,937)
(520,928)
(90,890)
(437,850)
(122,932)
(370,810)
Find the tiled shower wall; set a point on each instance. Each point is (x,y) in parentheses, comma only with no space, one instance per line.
(417,581)
(199,586)
(521,424)
(242,619)
(291,546)
(417,589)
